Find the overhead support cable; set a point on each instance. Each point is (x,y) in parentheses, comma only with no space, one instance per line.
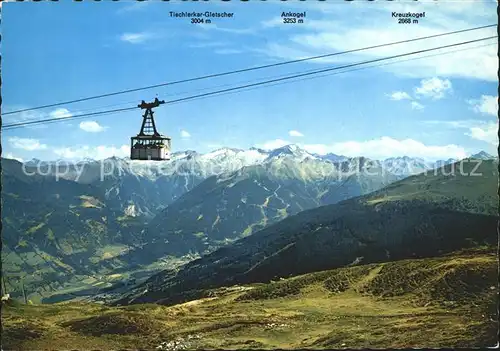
(237,88)
(244,70)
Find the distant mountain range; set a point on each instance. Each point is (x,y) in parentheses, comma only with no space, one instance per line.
(54,231)
(420,216)
(225,208)
(144,187)
(93,218)
(483,155)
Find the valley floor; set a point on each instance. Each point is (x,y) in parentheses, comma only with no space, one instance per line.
(448,301)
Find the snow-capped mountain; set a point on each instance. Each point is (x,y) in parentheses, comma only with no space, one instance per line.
(404,166)
(290,151)
(194,203)
(482,155)
(332,157)
(151,185)
(227,160)
(33,162)
(191,166)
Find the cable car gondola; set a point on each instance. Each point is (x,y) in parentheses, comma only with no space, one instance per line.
(149,144)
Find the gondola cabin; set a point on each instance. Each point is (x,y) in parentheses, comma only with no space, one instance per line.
(150,148)
(149,144)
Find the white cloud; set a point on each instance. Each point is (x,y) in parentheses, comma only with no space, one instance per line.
(380,148)
(97,153)
(135,38)
(26,144)
(385,147)
(433,88)
(138,5)
(12,157)
(399,95)
(27,116)
(61,113)
(273,144)
(91,127)
(479,130)
(487,133)
(295,133)
(416,106)
(487,104)
(228,51)
(467,123)
(350,30)
(185,134)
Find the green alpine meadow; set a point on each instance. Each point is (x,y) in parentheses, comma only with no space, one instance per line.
(256,258)
(249,175)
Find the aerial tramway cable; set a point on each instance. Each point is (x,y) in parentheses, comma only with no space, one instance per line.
(340,72)
(246,70)
(327,70)
(274,76)
(22,124)
(192,91)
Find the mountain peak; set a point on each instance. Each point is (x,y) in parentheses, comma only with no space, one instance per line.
(188,154)
(226,149)
(221,152)
(332,157)
(290,149)
(34,162)
(262,151)
(115,159)
(482,155)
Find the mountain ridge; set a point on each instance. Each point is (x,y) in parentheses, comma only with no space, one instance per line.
(104,197)
(288,148)
(422,215)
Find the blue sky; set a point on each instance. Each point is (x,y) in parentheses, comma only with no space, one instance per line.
(434,107)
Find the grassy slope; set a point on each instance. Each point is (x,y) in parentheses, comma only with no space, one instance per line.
(436,302)
(63,239)
(421,216)
(225,208)
(58,235)
(61,236)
